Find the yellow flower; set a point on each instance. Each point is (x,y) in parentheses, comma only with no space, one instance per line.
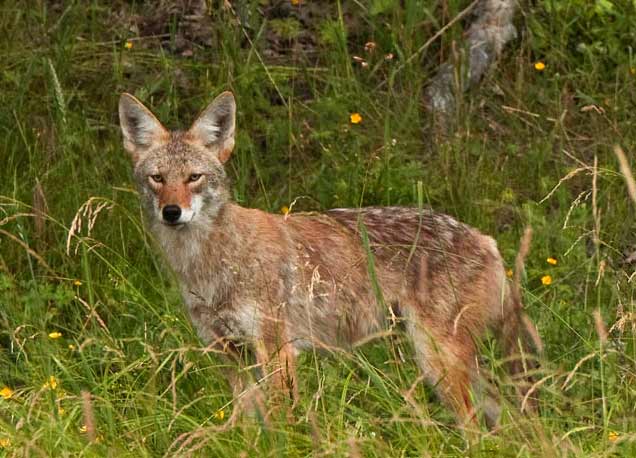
(77,282)
(613,436)
(509,273)
(55,335)
(355,118)
(539,66)
(546,280)
(51,383)
(128,45)
(6,392)
(219,414)
(71,347)
(83,429)
(551,261)
(284,209)
(5,442)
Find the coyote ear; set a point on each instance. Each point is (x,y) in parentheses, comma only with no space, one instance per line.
(140,127)
(214,128)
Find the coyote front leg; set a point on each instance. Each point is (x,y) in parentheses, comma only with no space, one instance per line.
(247,396)
(276,357)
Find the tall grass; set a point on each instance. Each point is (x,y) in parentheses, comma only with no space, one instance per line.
(153,388)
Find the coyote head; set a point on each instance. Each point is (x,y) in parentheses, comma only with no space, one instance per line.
(180,175)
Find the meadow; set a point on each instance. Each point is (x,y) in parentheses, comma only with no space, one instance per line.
(97,355)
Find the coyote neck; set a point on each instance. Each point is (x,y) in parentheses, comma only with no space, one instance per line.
(212,258)
(229,269)
(187,247)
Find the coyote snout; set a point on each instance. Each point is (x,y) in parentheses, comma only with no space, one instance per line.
(278,285)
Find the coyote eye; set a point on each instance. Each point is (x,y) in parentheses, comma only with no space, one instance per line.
(194,177)
(157,178)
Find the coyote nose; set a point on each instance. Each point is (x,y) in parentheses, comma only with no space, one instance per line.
(171,213)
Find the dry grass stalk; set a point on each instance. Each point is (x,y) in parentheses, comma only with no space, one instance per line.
(533,388)
(316,438)
(531,329)
(601,330)
(570,175)
(40,209)
(524,248)
(565,386)
(583,195)
(626,171)
(89,211)
(596,213)
(185,441)
(8,219)
(623,321)
(174,377)
(30,251)
(92,313)
(89,416)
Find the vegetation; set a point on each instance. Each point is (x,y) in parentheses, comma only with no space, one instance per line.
(86,304)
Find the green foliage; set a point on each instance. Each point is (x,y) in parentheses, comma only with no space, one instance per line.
(579,35)
(155,388)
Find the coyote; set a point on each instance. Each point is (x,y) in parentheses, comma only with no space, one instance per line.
(280,284)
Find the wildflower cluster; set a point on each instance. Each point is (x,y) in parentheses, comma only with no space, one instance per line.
(546,280)
(6,392)
(355,118)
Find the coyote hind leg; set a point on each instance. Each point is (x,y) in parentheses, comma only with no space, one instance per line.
(448,364)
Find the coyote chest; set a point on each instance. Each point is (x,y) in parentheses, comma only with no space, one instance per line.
(307,272)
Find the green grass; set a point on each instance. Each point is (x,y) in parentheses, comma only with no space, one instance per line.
(126,338)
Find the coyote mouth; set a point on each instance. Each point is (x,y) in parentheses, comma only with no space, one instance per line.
(175,226)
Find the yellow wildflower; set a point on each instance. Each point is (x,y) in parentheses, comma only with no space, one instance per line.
(219,414)
(77,282)
(55,335)
(50,383)
(539,66)
(6,392)
(355,118)
(551,261)
(83,429)
(613,436)
(546,280)
(71,347)
(284,209)
(128,45)
(509,273)
(5,442)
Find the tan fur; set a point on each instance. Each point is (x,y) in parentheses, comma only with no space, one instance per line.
(277,285)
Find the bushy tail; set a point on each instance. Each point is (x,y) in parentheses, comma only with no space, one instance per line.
(520,339)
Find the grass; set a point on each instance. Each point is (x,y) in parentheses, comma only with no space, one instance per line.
(156,390)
